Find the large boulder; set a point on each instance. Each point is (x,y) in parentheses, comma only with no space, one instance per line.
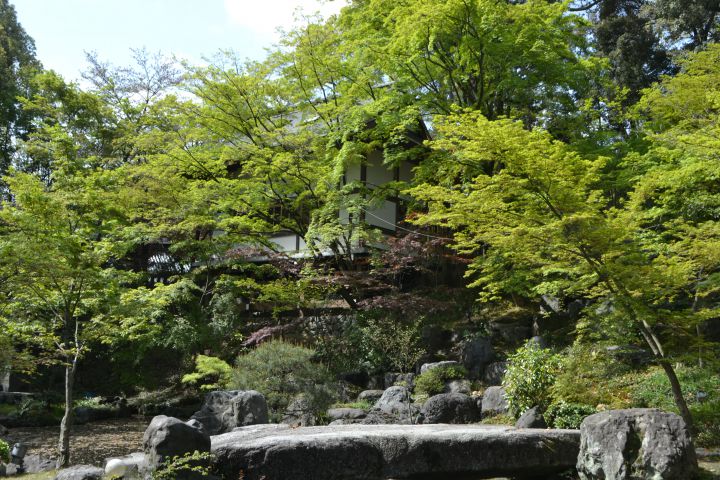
(168,437)
(494,373)
(494,402)
(224,410)
(477,353)
(403,379)
(370,396)
(512,329)
(80,472)
(532,418)
(393,400)
(634,444)
(394,407)
(374,452)
(458,386)
(450,408)
(346,414)
(300,413)
(38,464)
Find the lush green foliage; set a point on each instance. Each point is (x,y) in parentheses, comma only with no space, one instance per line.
(282,371)
(4,451)
(373,341)
(432,382)
(391,343)
(530,374)
(567,415)
(562,155)
(209,369)
(194,463)
(589,375)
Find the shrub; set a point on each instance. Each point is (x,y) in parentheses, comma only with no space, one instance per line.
(191,464)
(391,343)
(567,415)
(4,451)
(530,373)
(589,375)
(432,382)
(282,371)
(214,372)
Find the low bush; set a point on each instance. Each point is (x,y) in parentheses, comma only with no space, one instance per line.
(282,371)
(530,374)
(194,464)
(213,372)
(432,382)
(567,415)
(4,451)
(591,376)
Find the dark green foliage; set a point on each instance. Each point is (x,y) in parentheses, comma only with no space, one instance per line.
(373,341)
(282,371)
(633,49)
(432,382)
(567,415)
(17,65)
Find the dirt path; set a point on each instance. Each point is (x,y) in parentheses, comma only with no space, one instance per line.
(90,444)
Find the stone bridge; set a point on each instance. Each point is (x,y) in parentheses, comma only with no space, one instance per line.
(375,452)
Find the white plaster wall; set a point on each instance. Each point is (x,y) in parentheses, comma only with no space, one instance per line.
(285,243)
(382,216)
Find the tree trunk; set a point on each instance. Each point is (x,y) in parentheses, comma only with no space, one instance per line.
(667,367)
(67,420)
(678,396)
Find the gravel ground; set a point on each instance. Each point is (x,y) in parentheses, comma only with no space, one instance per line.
(91,443)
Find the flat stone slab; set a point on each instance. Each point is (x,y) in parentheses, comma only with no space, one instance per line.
(375,452)
(15,397)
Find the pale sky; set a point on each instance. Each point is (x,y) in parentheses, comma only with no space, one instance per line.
(189,29)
